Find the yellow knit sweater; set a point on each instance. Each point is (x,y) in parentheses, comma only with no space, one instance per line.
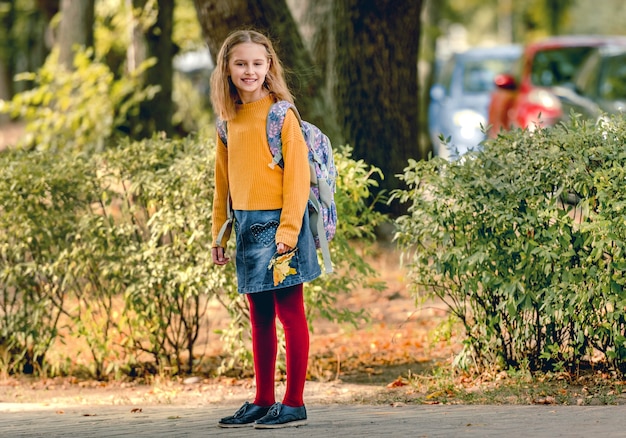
(243,167)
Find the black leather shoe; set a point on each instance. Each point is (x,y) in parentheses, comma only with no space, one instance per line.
(280,416)
(245,416)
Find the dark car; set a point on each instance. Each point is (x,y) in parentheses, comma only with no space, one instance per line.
(599,87)
(460,96)
(526,98)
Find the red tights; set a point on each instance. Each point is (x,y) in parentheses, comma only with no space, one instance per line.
(288,305)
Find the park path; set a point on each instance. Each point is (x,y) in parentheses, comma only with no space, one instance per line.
(33,420)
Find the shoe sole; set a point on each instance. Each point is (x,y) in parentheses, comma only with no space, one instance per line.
(234,426)
(282,425)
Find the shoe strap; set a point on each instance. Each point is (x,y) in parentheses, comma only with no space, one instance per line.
(242,410)
(274,410)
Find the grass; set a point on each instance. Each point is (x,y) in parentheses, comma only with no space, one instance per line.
(443,385)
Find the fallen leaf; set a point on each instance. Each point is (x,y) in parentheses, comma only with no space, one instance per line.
(549,400)
(400,381)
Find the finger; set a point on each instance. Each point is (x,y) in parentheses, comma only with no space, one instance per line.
(218,256)
(282,248)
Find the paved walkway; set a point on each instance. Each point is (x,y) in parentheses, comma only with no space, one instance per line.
(336,421)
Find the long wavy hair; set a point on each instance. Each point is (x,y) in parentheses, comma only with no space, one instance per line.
(224,95)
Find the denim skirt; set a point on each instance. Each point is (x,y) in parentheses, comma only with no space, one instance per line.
(255,232)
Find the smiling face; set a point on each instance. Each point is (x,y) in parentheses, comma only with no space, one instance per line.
(248,65)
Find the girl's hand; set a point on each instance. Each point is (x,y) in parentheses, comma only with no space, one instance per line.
(219,257)
(281,248)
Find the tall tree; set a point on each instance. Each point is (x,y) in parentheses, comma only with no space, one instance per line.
(75,29)
(316,24)
(430,32)
(557,12)
(152,38)
(6,64)
(377,89)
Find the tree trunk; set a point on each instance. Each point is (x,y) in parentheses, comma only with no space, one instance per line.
(155,42)
(430,31)
(159,39)
(272,17)
(377,89)
(557,10)
(316,23)
(76,28)
(137,51)
(6,55)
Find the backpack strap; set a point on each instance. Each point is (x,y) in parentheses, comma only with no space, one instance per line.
(316,223)
(275,122)
(230,218)
(222,130)
(274,127)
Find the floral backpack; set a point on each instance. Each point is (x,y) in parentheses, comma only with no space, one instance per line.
(321,207)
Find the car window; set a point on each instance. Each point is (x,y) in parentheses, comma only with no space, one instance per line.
(587,80)
(557,66)
(613,80)
(478,74)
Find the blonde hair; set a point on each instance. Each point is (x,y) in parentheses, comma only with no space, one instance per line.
(224,95)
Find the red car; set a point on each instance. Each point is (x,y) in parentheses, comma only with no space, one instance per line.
(524,99)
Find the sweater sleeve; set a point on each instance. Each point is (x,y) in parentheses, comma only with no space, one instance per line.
(220,193)
(296,181)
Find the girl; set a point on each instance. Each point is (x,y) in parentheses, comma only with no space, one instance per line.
(275,248)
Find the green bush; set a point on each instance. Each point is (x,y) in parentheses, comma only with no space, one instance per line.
(39,202)
(112,252)
(531,277)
